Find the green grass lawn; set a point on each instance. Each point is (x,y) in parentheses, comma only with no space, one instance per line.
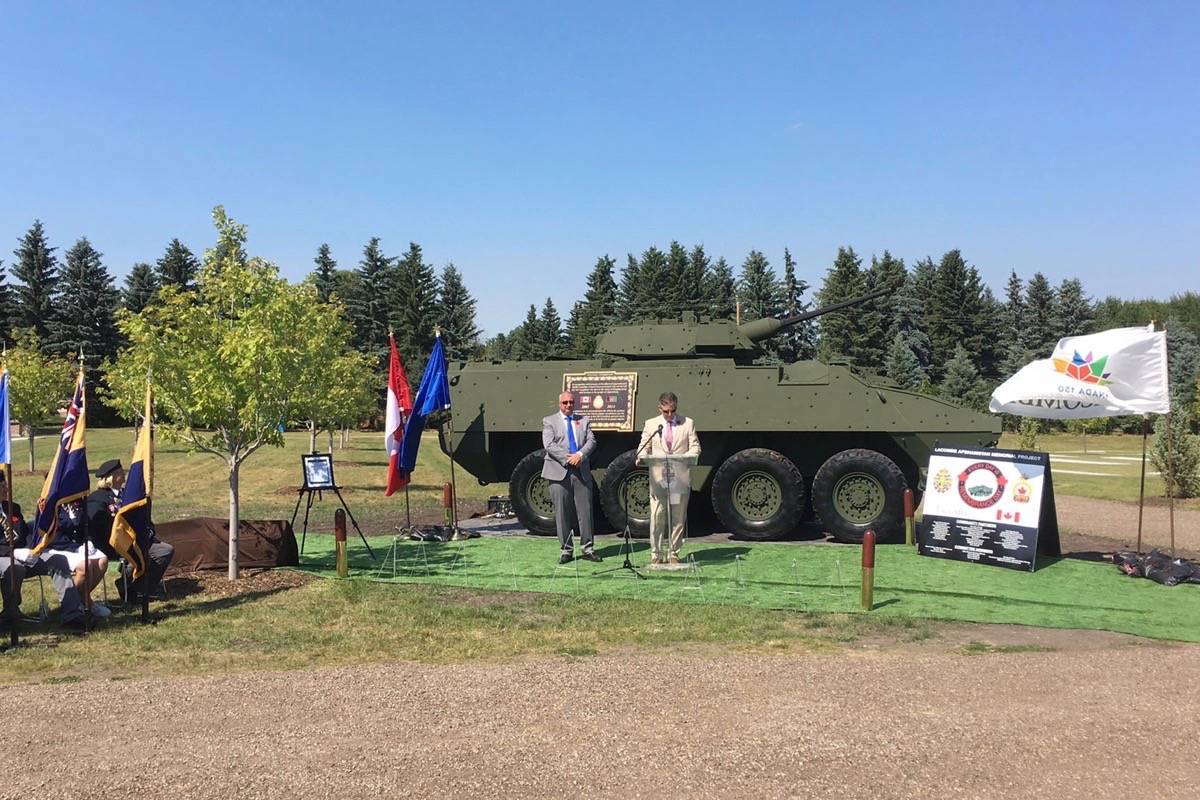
(1062,593)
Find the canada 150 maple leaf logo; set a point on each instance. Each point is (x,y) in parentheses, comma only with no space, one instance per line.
(1089,370)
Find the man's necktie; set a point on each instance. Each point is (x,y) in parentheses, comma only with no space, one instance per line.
(670,431)
(571,446)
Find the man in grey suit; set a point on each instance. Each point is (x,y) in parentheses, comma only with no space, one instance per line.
(568,440)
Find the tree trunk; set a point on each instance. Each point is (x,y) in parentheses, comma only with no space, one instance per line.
(234,519)
(330,432)
(29,431)
(312,436)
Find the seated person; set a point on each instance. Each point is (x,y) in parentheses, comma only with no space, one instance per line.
(11,538)
(102,507)
(55,565)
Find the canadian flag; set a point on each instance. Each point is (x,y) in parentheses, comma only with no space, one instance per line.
(399,407)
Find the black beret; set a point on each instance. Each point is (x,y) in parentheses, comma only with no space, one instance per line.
(108,468)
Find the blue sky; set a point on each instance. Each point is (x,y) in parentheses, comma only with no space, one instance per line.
(521,141)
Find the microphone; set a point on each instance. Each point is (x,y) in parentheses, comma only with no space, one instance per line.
(659,431)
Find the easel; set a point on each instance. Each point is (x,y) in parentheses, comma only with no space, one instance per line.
(307,492)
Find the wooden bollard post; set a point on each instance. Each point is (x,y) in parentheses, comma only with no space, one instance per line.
(868,570)
(339,539)
(448,503)
(910,526)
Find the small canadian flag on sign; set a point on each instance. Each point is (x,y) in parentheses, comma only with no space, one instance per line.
(1008,516)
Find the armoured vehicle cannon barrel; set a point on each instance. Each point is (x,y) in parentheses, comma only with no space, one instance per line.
(767,327)
(781,442)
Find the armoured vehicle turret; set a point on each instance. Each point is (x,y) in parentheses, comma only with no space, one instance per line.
(775,437)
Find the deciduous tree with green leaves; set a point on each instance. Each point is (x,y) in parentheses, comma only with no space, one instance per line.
(226,360)
(38,386)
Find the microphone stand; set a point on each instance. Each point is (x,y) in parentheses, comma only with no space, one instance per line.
(628,545)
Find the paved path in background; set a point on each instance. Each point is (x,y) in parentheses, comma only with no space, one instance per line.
(862,723)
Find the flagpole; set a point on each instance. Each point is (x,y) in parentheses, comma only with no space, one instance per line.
(450,452)
(149,484)
(1171,477)
(87,534)
(13,635)
(1142,490)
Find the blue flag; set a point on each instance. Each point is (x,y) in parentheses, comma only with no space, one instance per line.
(68,478)
(433,395)
(131,528)
(5,439)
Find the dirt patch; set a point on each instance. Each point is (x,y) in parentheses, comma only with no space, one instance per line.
(1089,526)
(216,584)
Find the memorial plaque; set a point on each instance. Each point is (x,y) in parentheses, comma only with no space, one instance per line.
(989,506)
(606,398)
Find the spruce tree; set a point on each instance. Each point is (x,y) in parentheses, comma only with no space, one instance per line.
(875,317)
(840,333)
(178,267)
(550,327)
(629,295)
(414,300)
(597,311)
(961,381)
(720,291)
(37,269)
(1014,310)
(695,282)
(497,348)
(761,295)
(656,299)
(456,308)
(8,308)
(986,331)
(799,341)
(368,306)
(903,366)
(141,285)
(528,343)
(908,318)
(85,306)
(573,346)
(1039,327)
(1073,313)
(324,277)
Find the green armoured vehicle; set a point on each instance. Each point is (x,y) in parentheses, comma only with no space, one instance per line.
(774,437)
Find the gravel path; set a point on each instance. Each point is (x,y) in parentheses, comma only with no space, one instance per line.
(860,723)
(1110,519)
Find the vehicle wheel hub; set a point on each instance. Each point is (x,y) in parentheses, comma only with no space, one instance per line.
(757,496)
(858,497)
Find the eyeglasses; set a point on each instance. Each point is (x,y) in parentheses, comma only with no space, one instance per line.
(566,402)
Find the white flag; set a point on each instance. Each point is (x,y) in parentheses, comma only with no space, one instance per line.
(1107,374)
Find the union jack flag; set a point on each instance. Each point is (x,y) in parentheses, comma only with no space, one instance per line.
(68,479)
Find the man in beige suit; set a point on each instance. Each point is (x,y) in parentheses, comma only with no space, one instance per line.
(668,434)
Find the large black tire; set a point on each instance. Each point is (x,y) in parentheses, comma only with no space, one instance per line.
(530,495)
(612,495)
(758,494)
(859,490)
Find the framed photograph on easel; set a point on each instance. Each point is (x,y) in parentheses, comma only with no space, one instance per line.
(318,471)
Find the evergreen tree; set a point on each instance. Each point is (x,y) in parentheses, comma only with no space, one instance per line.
(368,305)
(597,311)
(761,295)
(908,317)
(497,348)
(37,269)
(694,289)
(903,366)
(1073,314)
(961,311)
(141,285)
(85,306)
(571,332)
(1014,310)
(961,382)
(528,343)
(550,327)
(1176,453)
(630,293)
(800,341)
(840,334)
(1039,327)
(720,291)
(414,300)
(8,308)
(986,332)
(875,316)
(324,277)
(178,267)
(457,313)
